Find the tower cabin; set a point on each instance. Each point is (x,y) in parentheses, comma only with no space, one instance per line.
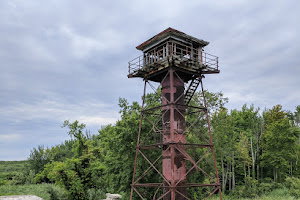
(173,48)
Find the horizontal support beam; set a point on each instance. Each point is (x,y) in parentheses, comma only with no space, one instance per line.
(166,186)
(160,145)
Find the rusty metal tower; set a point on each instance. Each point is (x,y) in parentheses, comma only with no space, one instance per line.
(174,136)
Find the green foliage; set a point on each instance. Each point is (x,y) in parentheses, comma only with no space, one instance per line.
(38,158)
(76,131)
(252,150)
(15,173)
(296,116)
(79,173)
(267,185)
(237,139)
(45,191)
(56,193)
(279,142)
(62,151)
(281,193)
(18,179)
(293,184)
(119,143)
(249,189)
(95,194)
(13,166)
(276,194)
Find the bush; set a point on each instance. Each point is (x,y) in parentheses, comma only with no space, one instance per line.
(56,193)
(18,179)
(95,194)
(30,177)
(293,184)
(26,177)
(282,192)
(2,182)
(267,185)
(250,189)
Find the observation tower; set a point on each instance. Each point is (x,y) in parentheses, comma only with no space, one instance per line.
(175,156)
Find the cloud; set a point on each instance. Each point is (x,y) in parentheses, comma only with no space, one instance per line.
(89,112)
(81,45)
(68,60)
(96,121)
(10,138)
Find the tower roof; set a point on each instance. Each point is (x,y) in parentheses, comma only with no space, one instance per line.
(170,32)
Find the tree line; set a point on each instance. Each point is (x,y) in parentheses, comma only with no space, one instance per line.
(256,151)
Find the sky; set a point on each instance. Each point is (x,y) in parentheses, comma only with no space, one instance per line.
(68,59)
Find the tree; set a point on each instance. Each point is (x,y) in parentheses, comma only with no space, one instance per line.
(236,137)
(38,158)
(279,142)
(296,116)
(223,133)
(118,143)
(81,172)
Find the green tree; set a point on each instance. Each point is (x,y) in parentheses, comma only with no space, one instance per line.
(81,172)
(223,133)
(118,143)
(296,116)
(38,158)
(237,138)
(279,142)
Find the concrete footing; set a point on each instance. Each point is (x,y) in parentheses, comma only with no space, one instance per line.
(113,196)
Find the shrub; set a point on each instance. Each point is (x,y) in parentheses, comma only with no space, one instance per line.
(18,179)
(250,189)
(2,182)
(293,184)
(56,193)
(95,194)
(267,185)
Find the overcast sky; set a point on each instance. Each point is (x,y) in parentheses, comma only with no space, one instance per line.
(68,59)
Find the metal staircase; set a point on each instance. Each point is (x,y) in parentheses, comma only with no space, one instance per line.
(191,89)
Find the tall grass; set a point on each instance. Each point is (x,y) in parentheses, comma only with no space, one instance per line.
(52,192)
(10,168)
(277,194)
(45,191)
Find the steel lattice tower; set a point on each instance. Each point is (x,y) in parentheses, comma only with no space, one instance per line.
(181,169)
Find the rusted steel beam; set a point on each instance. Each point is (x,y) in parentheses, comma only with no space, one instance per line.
(138,140)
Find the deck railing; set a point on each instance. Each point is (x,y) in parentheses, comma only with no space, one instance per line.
(175,50)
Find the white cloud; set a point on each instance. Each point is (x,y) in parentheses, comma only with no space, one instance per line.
(81,45)
(96,121)
(10,137)
(79,51)
(84,44)
(90,112)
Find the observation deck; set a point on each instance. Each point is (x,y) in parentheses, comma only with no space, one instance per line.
(172,48)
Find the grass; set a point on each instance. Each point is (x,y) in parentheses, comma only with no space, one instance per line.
(10,168)
(50,192)
(278,194)
(45,191)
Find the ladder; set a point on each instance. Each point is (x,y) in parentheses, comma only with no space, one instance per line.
(191,89)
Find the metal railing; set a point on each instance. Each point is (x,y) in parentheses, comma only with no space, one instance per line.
(174,50)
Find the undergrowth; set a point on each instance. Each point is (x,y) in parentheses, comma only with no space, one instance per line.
(45,191)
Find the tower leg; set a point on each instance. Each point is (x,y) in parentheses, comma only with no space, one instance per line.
(138,142)
(211,140)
